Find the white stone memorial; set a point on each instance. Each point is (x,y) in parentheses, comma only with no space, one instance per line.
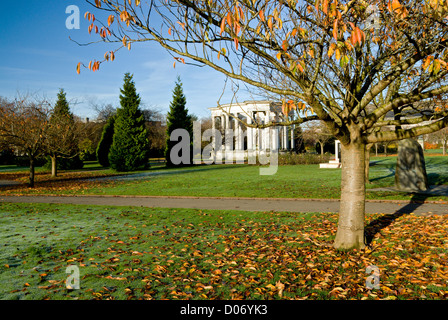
(336,163)
(230,120)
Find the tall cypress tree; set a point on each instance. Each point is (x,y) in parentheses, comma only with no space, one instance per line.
(130,146)
(177,118)
(102,151)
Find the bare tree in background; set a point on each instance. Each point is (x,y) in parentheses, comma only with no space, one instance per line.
(24,124)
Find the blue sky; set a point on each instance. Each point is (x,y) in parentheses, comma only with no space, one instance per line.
(37,57)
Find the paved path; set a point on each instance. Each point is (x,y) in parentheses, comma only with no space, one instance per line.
(246,204)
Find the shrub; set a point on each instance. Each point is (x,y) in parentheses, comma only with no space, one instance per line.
(429,145)
(302,158)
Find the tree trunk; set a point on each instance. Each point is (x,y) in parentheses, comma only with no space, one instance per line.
(367,162)
(350,233)
(321,149)
(54,167)
(31,180)
(444,147)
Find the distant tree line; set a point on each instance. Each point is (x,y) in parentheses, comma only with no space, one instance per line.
(36,132)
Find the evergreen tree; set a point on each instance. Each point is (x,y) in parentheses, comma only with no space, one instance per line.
(62,138)
(130,145)
(102,151)
(177,118)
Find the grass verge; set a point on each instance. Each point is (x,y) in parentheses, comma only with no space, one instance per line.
(153,253)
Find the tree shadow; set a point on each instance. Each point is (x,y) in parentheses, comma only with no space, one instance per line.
(384,221)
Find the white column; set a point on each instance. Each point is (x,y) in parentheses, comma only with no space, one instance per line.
(226,127)
(239,134)
(336,147)
(267,135)
(249,134)
(277,138)
(292,138)
(283,137)
(256,137)
(213,129)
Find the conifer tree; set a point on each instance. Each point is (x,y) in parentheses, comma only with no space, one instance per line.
(130,145)
(177,118)
(102,151)
(62,137)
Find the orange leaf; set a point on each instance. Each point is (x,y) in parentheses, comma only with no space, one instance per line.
(331,49)
(395,4)
(360,34)
(261,15)
(354,38)
(110,20)
(270,23)
(325,6)
(169,31)
(223,24)
(338,54)
(229,19)
(335,29)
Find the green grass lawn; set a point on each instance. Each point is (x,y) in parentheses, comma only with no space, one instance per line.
(153,253)
(293,181)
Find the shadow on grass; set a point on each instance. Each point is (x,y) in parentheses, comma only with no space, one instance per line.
(386,220)
(117,176)
(171,170)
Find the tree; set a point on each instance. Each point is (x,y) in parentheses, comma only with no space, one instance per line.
(317,133)
(23,127)
(102,151)
(328,59)
(130,146)
(441,137)
(62,136)
(177,118)
(156,127)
